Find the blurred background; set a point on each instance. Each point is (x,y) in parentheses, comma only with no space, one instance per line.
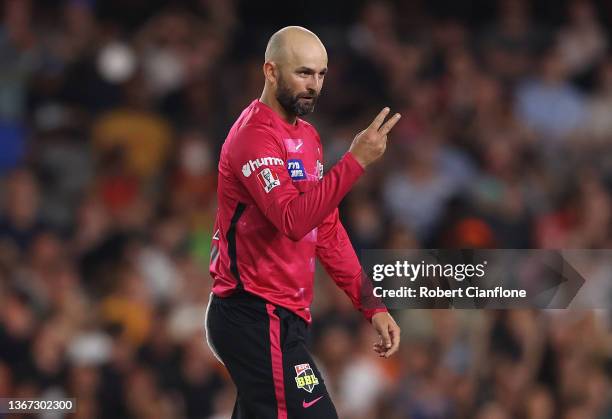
(112,114)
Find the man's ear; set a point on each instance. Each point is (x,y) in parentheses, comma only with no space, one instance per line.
(270,71)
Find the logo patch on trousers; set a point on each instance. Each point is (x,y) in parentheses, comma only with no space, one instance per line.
(306,404)
(305,377)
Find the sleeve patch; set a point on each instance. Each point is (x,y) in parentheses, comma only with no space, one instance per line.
(268,179)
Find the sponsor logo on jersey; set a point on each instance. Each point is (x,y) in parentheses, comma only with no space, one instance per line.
(305,377)
(252,165)
(295,167)
(268,179)
(319,170)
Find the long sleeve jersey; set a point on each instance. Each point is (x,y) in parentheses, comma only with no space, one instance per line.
(277,212)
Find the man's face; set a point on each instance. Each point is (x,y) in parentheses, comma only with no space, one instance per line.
(298,89)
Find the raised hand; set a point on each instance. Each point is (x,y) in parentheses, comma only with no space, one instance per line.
(370,144)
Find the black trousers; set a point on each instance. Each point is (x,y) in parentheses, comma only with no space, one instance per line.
(263,347)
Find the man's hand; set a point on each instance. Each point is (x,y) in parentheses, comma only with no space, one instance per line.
(389,333)
(370,144)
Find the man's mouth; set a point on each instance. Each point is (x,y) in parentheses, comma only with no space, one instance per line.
(307,96)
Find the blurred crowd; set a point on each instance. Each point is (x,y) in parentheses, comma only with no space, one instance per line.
(112,115)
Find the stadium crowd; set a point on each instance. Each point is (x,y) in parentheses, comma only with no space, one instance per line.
(111,119)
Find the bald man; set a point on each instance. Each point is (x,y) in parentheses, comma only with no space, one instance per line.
(277,213)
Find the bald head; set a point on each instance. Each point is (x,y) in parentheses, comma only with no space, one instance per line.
(295,66)
(294,43)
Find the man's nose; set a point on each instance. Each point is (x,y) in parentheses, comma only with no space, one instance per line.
(314,83)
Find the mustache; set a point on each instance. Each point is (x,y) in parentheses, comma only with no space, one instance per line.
(308,94)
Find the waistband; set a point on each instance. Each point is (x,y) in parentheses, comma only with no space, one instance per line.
(241,295)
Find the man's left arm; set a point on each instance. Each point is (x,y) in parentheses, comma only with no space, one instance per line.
(338,257)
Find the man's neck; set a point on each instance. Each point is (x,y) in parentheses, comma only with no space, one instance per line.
(268,98)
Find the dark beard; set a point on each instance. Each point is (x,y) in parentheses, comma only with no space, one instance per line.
(290,103)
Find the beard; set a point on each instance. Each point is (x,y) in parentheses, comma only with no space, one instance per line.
(291,102)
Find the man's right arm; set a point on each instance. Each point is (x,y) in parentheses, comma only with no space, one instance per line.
(258,161)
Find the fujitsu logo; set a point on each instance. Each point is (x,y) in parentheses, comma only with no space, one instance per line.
(252,165)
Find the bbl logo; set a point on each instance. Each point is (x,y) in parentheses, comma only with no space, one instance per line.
(305,378)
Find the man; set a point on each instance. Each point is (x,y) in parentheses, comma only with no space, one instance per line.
(276,213)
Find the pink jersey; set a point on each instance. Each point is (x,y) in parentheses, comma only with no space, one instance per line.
(277,212)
